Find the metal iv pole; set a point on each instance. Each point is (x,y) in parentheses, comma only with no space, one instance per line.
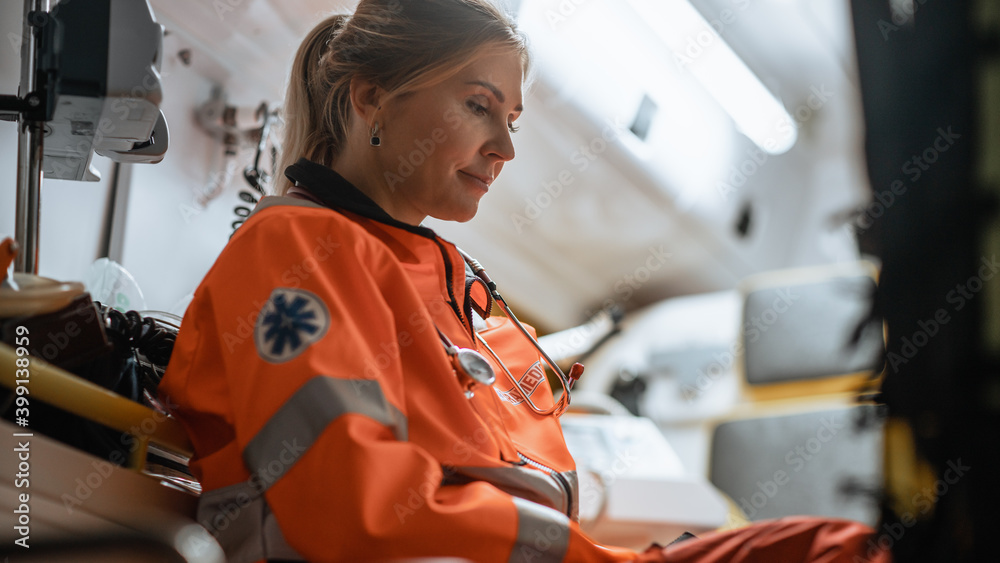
(30,146)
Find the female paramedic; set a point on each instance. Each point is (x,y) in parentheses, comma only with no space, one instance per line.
(348,394)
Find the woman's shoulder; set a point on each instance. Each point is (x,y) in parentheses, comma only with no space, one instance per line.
(285,209)
(289,232)
(294,221)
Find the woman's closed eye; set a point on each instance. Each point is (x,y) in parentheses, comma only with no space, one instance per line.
(477,108)
(482,110)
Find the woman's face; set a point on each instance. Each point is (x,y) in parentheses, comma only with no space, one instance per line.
(443,145)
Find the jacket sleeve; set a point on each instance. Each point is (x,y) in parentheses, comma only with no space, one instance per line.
(313,397)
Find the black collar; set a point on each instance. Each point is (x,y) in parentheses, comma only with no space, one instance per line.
(337,193)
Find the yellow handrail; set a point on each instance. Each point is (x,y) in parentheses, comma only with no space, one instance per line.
(63,390)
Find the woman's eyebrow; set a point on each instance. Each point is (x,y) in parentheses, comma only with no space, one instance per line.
(496,91)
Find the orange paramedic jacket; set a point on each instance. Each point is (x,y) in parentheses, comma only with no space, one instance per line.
(327,421)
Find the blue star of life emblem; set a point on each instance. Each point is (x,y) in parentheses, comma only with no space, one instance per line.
(290,321)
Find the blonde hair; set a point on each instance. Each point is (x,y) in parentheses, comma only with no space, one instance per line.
(400,45)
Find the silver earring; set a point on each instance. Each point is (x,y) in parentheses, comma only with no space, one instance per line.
(375,140)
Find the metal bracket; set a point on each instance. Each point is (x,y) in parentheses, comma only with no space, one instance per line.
(31,107)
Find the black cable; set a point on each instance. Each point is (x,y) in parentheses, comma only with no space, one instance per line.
(135,335)
(255,177)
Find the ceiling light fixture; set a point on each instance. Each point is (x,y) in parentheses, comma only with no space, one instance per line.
(699,49)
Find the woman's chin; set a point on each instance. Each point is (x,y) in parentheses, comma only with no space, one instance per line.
(464,218)
(460,215)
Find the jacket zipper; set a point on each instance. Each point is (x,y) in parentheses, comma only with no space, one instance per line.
(452,300)
(525,460)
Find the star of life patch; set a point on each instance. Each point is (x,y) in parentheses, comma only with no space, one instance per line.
(290,321)
(529,382)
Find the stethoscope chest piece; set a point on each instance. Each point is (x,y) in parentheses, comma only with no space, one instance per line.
(474,366)
(470,366)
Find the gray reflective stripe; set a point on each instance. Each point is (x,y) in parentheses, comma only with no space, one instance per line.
(542,533)
(240,519)
(299,422)
(530,484)
(574,491)
(272,201)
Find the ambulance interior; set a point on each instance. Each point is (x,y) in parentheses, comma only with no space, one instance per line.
(766,227)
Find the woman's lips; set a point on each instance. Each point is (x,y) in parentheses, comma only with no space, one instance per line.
(482,181)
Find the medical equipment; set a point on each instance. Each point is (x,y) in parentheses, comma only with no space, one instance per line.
(634,489)
(110,283)
(234,127)
(98,86)
(90,82)
(254,175)
(472,368)
(578,343)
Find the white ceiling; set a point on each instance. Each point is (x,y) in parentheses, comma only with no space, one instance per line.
(635,201)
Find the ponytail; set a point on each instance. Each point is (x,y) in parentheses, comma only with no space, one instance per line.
(307,124)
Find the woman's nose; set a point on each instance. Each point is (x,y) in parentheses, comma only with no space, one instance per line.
(501,146)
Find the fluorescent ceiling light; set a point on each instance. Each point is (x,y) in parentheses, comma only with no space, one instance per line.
(605,76)
(699,49)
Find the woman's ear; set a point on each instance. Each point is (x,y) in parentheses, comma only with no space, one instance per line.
(366,98)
